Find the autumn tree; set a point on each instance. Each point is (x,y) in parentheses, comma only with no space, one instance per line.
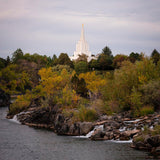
(118,59)
(95,83)
(13,81)
(79,85)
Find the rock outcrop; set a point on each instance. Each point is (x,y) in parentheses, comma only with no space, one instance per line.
(148,143)
(52,118)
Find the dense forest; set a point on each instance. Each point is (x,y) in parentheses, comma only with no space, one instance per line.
(86,90)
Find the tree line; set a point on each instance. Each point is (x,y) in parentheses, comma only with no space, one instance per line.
(84,89)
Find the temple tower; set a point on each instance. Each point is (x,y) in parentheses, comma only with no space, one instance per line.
(81,47)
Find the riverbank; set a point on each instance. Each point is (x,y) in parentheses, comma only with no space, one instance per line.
(118,127)
(22,142)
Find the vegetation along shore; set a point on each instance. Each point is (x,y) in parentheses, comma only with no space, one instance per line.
(115,97)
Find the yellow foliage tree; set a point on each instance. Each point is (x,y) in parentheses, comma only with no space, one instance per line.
(94,82)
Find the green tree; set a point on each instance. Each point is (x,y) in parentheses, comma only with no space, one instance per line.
(81,67)
(82,57)
(18,54)
(155,56)
(54,60)
(107,51)
(135,57)
(105,62)
(8,60)
(3,63)
(93,64)
(65,60)
(105,59)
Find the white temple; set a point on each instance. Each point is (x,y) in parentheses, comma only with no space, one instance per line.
(81,47)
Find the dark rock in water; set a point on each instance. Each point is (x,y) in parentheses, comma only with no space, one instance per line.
(98,135)
(149,143)
(85,127)
(157,150)
(4,98)
(154,141)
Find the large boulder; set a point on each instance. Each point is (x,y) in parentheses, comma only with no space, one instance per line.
(4,98)
(154,141)
(98,134)
(85,127)
(147,142)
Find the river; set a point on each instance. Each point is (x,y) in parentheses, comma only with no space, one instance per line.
(20,142)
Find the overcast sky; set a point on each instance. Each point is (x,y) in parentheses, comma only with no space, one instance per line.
(53,26)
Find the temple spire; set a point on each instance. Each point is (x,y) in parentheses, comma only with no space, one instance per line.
(82,33)
(82,47)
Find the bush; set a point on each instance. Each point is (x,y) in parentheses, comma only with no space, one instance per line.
(21,103)
(151,94)
(85,114)
(136,103)
(156,130)
(81,67)
(146,110)
(108,107)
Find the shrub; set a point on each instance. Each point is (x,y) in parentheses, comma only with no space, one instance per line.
(156,130)
(146,110)
(20,103)
(151,94)
(85,114)
(139,138)
(108,107)
(136,103)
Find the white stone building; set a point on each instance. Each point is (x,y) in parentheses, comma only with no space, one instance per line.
(82,47)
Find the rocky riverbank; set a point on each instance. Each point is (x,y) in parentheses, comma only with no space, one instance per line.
(148,143)
(116,127)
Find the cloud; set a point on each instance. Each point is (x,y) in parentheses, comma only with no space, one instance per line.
(51,27)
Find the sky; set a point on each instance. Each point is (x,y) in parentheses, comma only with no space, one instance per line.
(50,27)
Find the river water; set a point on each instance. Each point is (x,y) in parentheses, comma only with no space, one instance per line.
(20,142)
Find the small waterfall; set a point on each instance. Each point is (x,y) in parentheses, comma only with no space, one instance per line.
(15,120)
(88,135)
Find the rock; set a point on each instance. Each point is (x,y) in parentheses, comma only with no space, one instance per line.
(98,135)
(85,127)
(149,143)
(112,124)
(154,141)
(131,133)
(4,98)
(108,129)
(139,145)
(74,130)
(157,151)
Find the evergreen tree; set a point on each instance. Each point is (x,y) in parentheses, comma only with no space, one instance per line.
(65,60)
(155,56)
(18,54)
